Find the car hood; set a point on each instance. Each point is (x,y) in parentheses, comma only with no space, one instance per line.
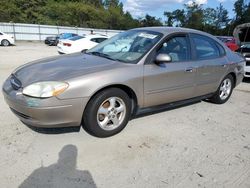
(62,68)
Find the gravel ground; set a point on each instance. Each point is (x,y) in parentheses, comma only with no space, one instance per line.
(198,145)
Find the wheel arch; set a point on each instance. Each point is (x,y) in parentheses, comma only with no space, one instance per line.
(234,77)
(3,40)
(128,90)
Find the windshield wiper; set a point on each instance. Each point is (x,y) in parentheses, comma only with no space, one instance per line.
(101,55)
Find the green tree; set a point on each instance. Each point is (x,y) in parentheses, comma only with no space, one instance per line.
(194,16)
(175,18)
(150,21)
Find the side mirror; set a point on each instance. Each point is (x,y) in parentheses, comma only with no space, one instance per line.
(163,58)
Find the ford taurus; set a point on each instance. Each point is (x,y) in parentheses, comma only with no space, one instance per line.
(132,72)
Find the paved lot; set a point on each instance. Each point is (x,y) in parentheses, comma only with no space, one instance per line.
(199,145)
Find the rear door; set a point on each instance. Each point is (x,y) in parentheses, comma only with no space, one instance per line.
(210,63)
(173,81)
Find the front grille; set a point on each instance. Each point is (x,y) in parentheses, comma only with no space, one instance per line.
(15,83)
(20,114)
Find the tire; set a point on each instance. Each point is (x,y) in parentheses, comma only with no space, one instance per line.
(5,42)
(107,113)
(224,91)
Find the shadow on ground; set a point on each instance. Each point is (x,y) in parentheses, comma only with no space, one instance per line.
(62,174)
(140,114)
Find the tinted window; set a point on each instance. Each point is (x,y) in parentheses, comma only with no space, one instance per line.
(205,48)
(98,40)
(93,40)
(1,33)
(177,47)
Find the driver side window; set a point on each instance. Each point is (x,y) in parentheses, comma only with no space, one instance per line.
(177,48)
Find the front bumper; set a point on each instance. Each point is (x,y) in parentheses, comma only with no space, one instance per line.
(247,68)
(49,112)
(50,42)
(12,41)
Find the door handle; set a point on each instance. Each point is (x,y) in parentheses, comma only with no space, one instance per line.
(189,69)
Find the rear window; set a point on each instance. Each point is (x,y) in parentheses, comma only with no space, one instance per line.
(244,34)
(76,38)
(66,35)
(98,40)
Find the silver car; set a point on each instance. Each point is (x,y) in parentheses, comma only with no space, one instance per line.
(133,72)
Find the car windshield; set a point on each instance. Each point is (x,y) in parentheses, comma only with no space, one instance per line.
(128,47)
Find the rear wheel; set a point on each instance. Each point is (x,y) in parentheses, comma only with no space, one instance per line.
(5,42)
(224,91)
(107,113)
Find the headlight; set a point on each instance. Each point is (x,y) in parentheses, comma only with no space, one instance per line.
(45,89)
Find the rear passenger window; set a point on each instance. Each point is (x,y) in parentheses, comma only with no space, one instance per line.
(222,50)
(205,48)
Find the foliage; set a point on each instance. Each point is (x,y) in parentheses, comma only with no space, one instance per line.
(109,14)
(214,21)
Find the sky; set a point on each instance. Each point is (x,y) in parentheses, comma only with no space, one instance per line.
(157,7)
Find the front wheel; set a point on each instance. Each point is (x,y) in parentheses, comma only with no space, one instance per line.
(107,113)
(5,42)
(224,91)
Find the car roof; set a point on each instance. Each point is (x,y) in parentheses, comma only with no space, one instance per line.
(171,30)
(168,30)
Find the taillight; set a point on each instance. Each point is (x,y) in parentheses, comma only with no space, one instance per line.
(66,44)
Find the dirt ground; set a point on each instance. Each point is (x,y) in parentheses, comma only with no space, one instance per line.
(199,145)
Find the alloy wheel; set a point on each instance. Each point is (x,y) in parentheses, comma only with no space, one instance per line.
(111,113)
(225,89)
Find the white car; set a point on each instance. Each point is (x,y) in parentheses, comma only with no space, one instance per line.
(79,43)
(6,40)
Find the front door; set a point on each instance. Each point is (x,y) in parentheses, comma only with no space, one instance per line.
(172,81)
